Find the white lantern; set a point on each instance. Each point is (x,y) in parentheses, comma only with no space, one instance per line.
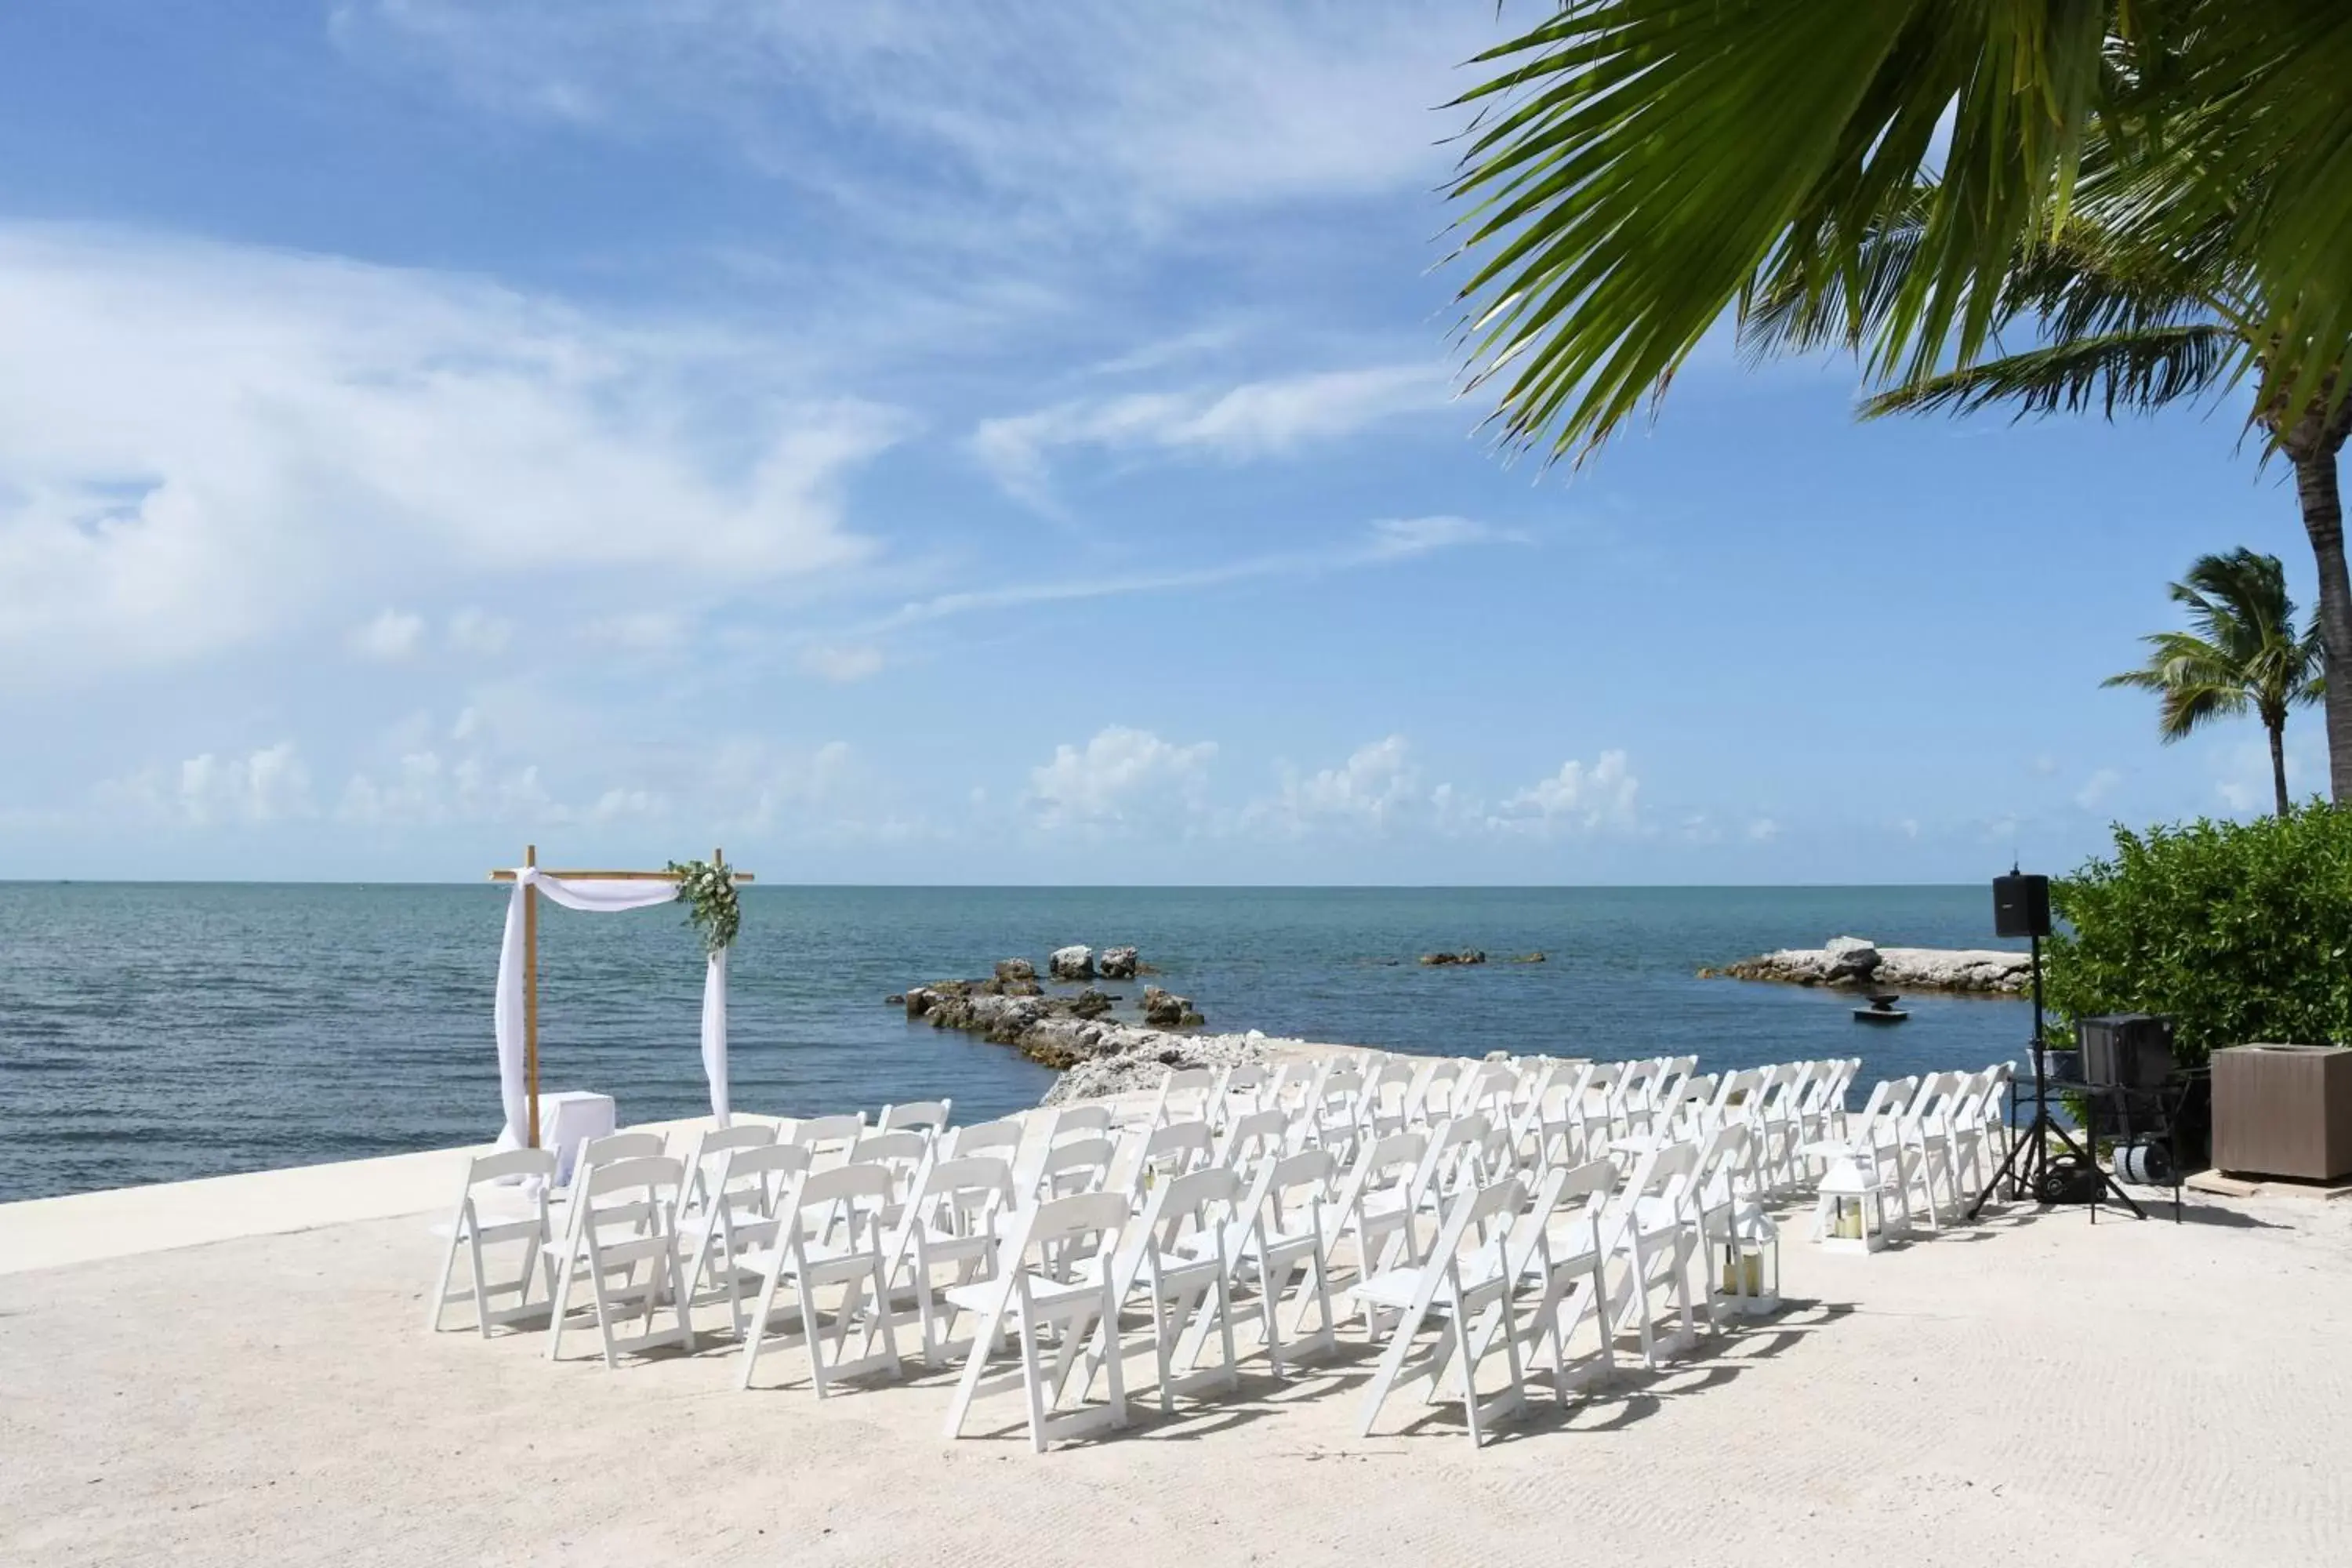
(1851,1214)
(1751,1263)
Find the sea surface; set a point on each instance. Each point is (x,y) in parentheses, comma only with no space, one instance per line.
(156,1032)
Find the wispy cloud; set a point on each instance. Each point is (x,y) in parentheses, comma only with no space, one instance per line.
(1255,419)
(1084,112)
(1383,544)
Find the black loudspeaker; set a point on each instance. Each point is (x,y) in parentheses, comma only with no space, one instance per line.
(2021,905)
(2126,1050)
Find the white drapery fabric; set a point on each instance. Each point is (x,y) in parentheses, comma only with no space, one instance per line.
(607,896)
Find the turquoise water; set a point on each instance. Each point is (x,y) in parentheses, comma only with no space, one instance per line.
(156,1032)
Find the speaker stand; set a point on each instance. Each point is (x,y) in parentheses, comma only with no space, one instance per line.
(2028,1160)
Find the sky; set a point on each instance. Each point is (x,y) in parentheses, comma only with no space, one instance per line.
(983,443)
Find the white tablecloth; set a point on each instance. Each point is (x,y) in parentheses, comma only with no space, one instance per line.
(568,1119)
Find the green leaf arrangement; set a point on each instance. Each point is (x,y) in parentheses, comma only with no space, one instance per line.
(708,893)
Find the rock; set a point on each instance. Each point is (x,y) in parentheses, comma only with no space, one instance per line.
(1845,958)
(1528,958)
(1165,1010)
(1468,955)
(1090,1004)
(1117,963)
(896,1001)
(1855,963)
(1071,963)
(1112,1059)
(1015,969)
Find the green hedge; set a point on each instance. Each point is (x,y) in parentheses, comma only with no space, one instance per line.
(2240,931)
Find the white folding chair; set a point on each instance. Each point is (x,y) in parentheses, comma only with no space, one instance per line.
(1186,1094)
(1054,1291)
(623,1240)
(830,1237)
(1375,1204)
(710,1147)
(927,1116)
(951,1221)
(1252,1138)
(828,1139)
(1469,1284)
(1168,1150)
(743,1195)
(497,1186)
(1177,1253)
(1282,1252)
(1002,1139)
(1080,1165)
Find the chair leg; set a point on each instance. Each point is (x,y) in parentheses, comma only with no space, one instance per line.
(481,1286)
(441,1289)
(559,1304)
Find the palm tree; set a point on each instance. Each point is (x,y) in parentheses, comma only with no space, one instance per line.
(2243,653)
(2130,316)
(1636,163)
(2174,177)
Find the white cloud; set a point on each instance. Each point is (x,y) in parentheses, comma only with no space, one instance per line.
(641,631)
(1376,788)
(1121,777)
(1763,830)
(2098,788)
(478,631)
(1084,112)
(1256,419)
(271,785)
(1576,799)
(841,664)
(390,636)
(206,445)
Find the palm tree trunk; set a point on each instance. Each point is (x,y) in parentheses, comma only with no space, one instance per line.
(2322,518)
(2278,766)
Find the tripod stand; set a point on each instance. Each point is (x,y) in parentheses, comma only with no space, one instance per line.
(2027,1167)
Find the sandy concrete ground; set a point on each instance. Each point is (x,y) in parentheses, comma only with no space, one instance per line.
(2123,1393)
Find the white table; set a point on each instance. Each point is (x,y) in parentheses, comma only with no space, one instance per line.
(568,1119)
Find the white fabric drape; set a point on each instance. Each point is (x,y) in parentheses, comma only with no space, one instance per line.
(595,897)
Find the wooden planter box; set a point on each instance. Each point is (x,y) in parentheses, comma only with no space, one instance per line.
(2283,1110)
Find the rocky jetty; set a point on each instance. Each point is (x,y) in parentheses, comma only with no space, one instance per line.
(1857,962)
(1117,1058)
(1011,1007)
(1468,955)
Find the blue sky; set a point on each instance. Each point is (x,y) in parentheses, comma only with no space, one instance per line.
(988,442)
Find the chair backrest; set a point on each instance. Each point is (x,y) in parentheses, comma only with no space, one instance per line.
(963,1198)
(1081,1121)
(827,1136)
(1431,1097)
(1289,1192)
(1198,1203)
(1244,1091)
(510,1165)
(1063,1236)
(1080,1165)
(1888,1098)
(1252,1137)
(1384,1165)
(916,1115)
(1456,1155)
(1492,1090)
(1480,1218)
(1185,1094)
(626,1199)
(982,1137)
(903,1153)
(595,1152)
(1172,1149)
(709,1151)
(850,1194)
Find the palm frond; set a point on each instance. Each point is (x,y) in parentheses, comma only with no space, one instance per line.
(2133,370)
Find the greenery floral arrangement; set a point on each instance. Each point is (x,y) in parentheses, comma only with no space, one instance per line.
(708,893)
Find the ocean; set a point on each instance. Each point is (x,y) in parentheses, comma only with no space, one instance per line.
(155,1032)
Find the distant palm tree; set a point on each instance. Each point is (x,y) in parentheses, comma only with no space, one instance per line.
(2244,653)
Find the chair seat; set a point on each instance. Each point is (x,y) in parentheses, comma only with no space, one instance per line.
(981,1294)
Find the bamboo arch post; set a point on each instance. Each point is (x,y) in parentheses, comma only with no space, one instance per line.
(530,949)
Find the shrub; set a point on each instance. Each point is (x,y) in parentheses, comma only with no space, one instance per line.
(2240,931)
